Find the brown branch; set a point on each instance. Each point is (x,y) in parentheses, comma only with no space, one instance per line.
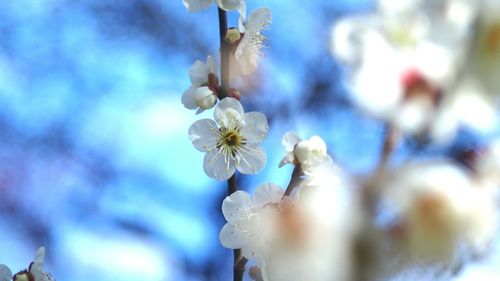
(232,186)
(224,55)
(391,139)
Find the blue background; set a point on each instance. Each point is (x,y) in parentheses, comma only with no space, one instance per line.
(95,160)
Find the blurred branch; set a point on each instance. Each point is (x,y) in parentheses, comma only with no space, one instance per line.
(391,139)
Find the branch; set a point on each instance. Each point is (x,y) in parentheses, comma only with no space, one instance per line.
(294,180)
(239,260)
(224,54)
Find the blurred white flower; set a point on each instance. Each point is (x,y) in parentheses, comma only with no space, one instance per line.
(202,94)
(235,144)
(247,48)
(444,214)
(251,222)
(325,217)
(196,5)
(420,46)
(309,153)
(487,164)
(34,273)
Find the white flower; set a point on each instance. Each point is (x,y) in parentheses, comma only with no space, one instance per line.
(443,212)
(246,56)
(34,273)
(196,5)
(204,82)
(420,47)
(251,221)
(235,144)
(309,153)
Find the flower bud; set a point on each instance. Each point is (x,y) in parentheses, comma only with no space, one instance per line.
(204,97)
(314,148)
(233,35)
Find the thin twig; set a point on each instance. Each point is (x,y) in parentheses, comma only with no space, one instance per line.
(224,54)
(391,139)
(294,180)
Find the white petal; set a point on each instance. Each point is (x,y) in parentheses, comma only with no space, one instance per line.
(231,237)
(5,273)
(204,97)
(258,20)
(243,17)
(196,5)
(267,193)
(254,127)
(215,166)
(36,267)
(247,56)
(198,73)
(228,112)
(229,5)
(250,159)
(288,159)
(289,140)
(188,98)
(211,65)
(237,207)
(204,134)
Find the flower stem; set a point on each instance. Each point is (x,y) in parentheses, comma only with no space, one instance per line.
(232,186)
(224,54)
(294,180)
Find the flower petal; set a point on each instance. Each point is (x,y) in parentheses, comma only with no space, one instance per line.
(198,73)
(228,112)
(289,140)
(204,134)
(5,273)
(288,159)
(250,159)
(267,193)
(258,20)
(254,127)
(217,166)
(196,5)
(36,267)
(237,207)
(229,5)
(188,98)
(231,237)
(211,65)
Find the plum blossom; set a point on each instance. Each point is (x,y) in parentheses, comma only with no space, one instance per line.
(202,94)
(232,141)
(197,5)
(251,221)
(34,273)
(444,215)
(247,42)
(308,153)
(305,236)
(422,48)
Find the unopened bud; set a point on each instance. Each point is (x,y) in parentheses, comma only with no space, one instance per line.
(232,35)
(234,93)
(314,148)
(204,97)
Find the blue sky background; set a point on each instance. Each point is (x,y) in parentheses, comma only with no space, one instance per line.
(95,160)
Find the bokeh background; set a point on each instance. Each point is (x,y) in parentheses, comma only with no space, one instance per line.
(95,160)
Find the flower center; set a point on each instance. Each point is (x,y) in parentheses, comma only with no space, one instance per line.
(230,140)
(415,85)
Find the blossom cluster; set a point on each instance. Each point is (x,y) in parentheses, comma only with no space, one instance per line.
(424,69)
